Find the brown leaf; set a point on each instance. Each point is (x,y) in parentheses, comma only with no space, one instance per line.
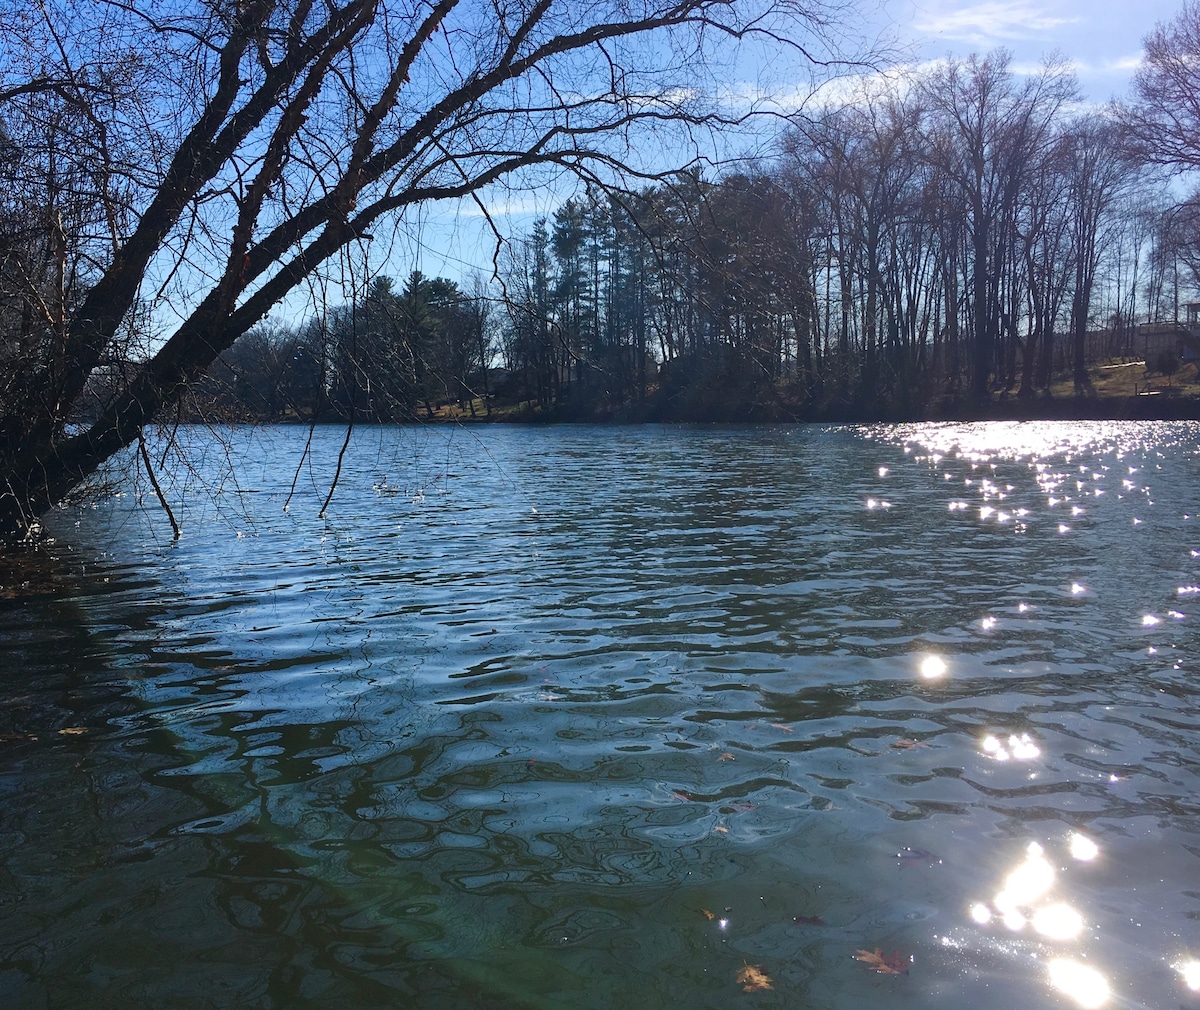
(73,731)
(707,914)
(726,756)
(752,979)
(908,744)
(894,963)
(721,829)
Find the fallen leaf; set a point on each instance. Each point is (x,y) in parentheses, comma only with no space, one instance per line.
(889,964)
(808,920)
(909,744)
(726,756)
(721,829)
(10,737)
(753,979)
(73,731)
(707,914)
(779,725)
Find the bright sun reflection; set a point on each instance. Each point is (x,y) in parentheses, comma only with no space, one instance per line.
(1190,970)
(1058,922)
(1019,747)
(1019,440)
(1081,982)
(1028,882)
(1082,847)
(933,667)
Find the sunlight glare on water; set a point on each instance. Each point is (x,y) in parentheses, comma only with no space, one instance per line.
(1081,982)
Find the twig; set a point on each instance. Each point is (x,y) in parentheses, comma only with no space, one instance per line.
(162,499)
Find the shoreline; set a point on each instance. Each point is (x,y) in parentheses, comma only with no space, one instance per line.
(1145,407)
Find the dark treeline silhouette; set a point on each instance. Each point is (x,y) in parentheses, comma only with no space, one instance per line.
(959,236)
(951,238)
(391,356)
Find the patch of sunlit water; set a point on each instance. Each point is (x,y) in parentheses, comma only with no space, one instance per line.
(933,668)
(1081,982)
(1018,747)
(1190,970)
(1082,848)
(984,444)
(1029,881)
(1058,921)
(1034,894)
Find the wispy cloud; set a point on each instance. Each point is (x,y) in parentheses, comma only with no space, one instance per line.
(1121,66)
(990,22)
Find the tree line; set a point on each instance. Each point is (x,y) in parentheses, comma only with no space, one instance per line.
(952,235)
(956,234)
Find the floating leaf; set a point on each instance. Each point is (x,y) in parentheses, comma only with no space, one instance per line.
(779,725)
(894,963)
(707,914)
(909,744)
(752,979)
(808,920)
(726,756)
(73,731)
(721,829)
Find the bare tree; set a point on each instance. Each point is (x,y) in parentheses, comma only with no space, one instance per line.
(245,142)
(1162,125)
(987,132)
(1098,174)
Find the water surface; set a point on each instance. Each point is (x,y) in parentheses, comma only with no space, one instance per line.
(596,717)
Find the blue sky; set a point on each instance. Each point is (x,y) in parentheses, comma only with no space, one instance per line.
(1101,37)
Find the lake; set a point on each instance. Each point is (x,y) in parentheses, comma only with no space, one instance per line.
(595,717)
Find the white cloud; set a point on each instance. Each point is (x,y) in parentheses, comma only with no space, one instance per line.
(990,22)
(1120,66)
